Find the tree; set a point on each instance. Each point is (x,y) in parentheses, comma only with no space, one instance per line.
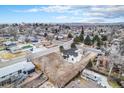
(81,37)
(57,38)
(61,48)
(82,32)
(99,43)
(46,29)
(87,40)
(14,33)
(122,47)
(70,35)
(76,40)
(97,40)
(101,30)
(45,35)
(73,45)
(27,40)
(89,65)
(104,38)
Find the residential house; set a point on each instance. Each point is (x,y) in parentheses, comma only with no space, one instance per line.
(72,55)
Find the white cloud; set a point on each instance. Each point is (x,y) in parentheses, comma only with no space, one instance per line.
(81,13)
(56,8)
(61,17)
(59,9)
(92,20)
(108,9)
(75,10)
(93,14)
(28,10)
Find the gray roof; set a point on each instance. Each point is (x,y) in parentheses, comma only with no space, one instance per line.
(71,52)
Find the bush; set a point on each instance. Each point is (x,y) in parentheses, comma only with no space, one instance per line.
(61,48)
(73,45)
(70,35)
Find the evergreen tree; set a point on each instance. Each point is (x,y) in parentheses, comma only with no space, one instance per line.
(82,32)
(73,45)
(104,38)
(96,38)
(89,65)
(76,40)
(87,40)
(122,47)
(98,43)
(81,37)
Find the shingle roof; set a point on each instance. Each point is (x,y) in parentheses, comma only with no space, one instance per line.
(71,52)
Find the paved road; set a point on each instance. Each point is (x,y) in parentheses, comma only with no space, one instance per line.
(66,45)
(38,54)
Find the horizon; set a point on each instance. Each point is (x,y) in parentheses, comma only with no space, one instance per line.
(63,23)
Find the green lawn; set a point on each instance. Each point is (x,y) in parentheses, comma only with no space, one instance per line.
(114,84)
(28,46)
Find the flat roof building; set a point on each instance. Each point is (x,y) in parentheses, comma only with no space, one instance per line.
(13,72)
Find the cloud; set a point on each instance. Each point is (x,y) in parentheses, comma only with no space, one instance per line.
(94,14)
(61,17)
(96,20)
(52,8)
(116,8)
(75,10)
(58,9)
(109,11)
(99,13)
(27,10)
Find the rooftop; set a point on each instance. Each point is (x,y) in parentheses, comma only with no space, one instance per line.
(71,51)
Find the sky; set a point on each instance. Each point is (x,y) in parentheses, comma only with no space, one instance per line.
(61,13)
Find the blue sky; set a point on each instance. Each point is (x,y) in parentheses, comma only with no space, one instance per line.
(61,14)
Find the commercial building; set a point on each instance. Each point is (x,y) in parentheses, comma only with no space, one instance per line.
(14,72)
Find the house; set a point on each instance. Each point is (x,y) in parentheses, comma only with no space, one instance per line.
(72,55)
(7,36)
(14,49)
(21,38)
(9,43)
(13,72)
(20,48)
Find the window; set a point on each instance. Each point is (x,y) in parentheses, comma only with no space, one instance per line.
(3,77)
(20,71)
(72,59)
